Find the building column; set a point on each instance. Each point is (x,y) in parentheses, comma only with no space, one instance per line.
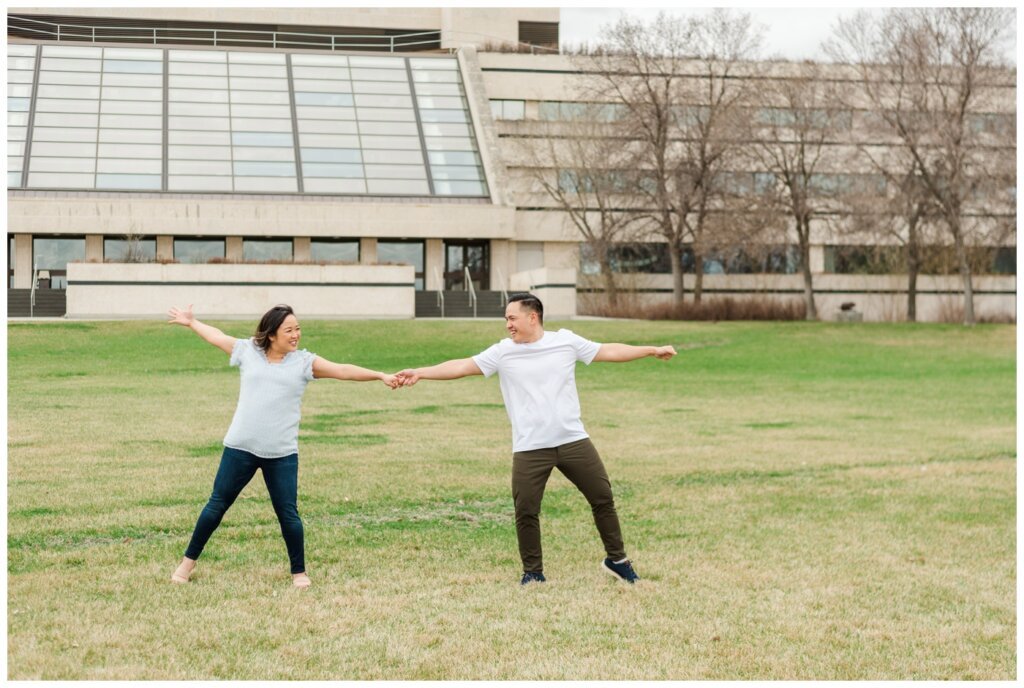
(817,259)
(367,251)
(233,248)
(22,261)
(433,265)
(501,264)
(94,248)
(164,247)
(302,250)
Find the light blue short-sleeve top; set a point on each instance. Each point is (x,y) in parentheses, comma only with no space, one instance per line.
(266,421)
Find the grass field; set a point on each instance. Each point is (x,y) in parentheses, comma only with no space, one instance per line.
(802,501)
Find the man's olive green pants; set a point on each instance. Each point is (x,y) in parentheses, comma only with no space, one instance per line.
(580,463)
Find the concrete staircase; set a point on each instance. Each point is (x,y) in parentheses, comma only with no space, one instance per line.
(50,303)
(489,304)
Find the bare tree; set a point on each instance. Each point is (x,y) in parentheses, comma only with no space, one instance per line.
(925,72)
(789,151)
(678,100)
(589,184)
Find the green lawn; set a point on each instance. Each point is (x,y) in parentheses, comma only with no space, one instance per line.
(802,501)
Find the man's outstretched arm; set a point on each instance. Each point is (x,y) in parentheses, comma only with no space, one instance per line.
(449,370)
(620,353)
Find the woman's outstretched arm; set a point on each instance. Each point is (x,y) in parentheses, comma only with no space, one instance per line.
(344,371)
(209,333)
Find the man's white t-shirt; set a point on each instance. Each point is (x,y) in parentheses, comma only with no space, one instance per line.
(538,383)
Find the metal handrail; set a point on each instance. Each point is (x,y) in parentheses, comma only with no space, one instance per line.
(32,294)
(440,292)
(274,39)
(470,289)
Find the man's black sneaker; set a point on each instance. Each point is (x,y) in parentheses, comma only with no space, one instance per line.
(623,571)
(531,577)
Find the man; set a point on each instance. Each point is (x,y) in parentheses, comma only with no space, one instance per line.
(538,382)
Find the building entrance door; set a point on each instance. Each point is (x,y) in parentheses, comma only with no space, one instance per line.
(459,255)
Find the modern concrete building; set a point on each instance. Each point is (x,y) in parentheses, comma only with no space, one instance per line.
(248,156)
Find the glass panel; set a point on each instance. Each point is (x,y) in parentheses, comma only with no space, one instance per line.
(53,105)
(347,186)
(78,135)
(63,164)
(127,181)
(13,179)
(384,101)
(198,55)
(396,171)
(254,139)
(16,133)
(435,76)
(401,252)
(19,90)
(66,120)
(16,119)
(196,96)
(338,99)
(125,93)
(176,183)
(265,169)
(329,60)
(325,170)
(447,188)
(387,115)
(380,87)
(442,103)
(442,129)
(130,150)
(514,109)
(210,138)
(266,71)
(264,153)
(61,181)
(464,173)
(321,126)
(331,155)
(63,92)
(379,75)
(199,152)
(131,121)
(391,142)
(64,150)
(265,125)
(328,141)
(444,116)
(199,167)
(397,186)
(323,86)
(389,128)
(201,68)
(198,250)
(145,80)
(127,107)
(61,65)
(55,254)
(124,251)
(72,51)
(267,249)
(133,66)
(327,251)
(191,81)
(268,97)
(69,78)
(267,184)
(247,84)
(377,62)
(198,109)
(134,54)
(256,58)
(436,64)
(324,112)
(117,166)
(261,110)
(330,73)
(435,143)
(131,136)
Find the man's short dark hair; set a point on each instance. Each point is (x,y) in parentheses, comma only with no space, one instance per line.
(530,303)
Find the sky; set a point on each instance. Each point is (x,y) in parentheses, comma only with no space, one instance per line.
(792,33)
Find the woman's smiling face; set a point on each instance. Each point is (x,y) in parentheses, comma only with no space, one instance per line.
(286,339)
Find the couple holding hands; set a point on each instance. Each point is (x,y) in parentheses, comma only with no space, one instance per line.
(538,383)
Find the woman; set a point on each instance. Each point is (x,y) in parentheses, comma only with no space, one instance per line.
(264,433)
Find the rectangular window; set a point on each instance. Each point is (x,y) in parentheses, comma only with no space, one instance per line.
(52,255)
(277,250)
(334,250)
(134,250)
(404,253)
(198,250)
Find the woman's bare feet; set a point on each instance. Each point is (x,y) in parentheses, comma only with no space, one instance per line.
(184,570)
(301,580)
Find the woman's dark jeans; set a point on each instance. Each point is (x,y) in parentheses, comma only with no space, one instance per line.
(237,468)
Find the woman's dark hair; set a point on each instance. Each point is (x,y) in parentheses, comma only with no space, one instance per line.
(270,323)
(530,303)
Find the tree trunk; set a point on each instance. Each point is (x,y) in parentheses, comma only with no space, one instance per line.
(965,275)
(676,261)
(698,275)
(610,288)
(913,266)
(805,260)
